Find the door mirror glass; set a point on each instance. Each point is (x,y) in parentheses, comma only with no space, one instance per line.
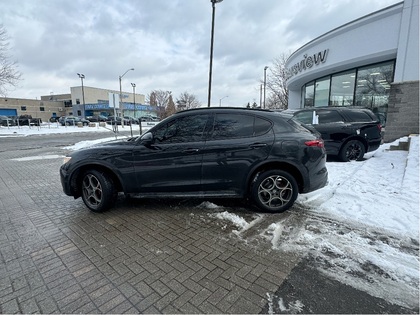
(146,139)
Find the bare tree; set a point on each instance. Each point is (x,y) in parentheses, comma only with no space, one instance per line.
(278,95)
(187,101)
(170,109)
(9,76)
(160,99)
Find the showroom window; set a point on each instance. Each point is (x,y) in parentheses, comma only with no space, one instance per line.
(309,92)
(367,86)
(322,91)
(342,89)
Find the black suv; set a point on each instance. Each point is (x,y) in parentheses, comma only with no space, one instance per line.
(348,132)
(205,152)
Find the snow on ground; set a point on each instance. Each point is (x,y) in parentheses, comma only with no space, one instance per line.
(362,228)
(54,128)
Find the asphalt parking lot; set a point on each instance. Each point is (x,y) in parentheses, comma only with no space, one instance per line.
(143,256)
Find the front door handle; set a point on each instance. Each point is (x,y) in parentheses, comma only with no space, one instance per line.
(258,145)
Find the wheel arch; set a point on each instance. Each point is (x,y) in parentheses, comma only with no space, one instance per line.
(280,165)
(358,138)
(76,177)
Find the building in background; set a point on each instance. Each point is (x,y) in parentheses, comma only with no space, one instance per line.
(96,101)
(371,62)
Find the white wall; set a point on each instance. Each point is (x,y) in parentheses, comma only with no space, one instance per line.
(407,66)
(383,35)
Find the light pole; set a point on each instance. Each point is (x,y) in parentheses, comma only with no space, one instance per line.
(213,3)
(265,81)
(82,76)
(220,101)
(134,100)
(122,109)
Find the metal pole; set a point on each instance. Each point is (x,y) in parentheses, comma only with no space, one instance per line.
(121,105)
(265,81)
(220,100)
(213,2)
(211,52)
(261,86)
(82,76)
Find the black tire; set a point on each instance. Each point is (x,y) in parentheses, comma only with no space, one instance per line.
(98,191)
(354,150)
(274,191)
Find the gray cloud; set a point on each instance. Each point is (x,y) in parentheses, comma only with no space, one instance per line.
(167,42)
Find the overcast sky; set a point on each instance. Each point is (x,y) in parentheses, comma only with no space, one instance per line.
(167,42)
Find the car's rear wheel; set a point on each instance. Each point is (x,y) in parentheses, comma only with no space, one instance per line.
(354,150)
(98,191)
(274,191)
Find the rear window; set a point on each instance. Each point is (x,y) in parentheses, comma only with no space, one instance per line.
(329,116)
(296,124)
(360,116)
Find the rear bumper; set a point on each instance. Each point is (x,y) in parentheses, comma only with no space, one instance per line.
(374,145)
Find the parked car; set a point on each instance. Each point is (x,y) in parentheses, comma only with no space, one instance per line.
(54,119)
(6,121)
(28,120)
(348,132)
(259,155)
(148,117)
(132,120)
(112,120)
(72,121)
(97,118)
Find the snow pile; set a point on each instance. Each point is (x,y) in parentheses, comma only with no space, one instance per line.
(362,228)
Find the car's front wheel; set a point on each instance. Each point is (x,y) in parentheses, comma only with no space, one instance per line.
(274,191)
(354,150)
(98,191)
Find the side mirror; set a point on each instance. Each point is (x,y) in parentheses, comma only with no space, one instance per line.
(147,139)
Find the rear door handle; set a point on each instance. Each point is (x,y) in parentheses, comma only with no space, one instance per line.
(189,151)
(258,145)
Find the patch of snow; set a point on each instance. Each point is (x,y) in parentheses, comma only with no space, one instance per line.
(362,228)
(41,157)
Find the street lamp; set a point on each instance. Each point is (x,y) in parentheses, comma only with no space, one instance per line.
(134,97)
(220,101)
(213,3)
(82,76)
(122,110)
(265,81)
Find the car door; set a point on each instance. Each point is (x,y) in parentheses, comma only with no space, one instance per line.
(333,129)
(172,163)
(235,143)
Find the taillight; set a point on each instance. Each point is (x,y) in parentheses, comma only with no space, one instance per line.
(315,143)
(379,127)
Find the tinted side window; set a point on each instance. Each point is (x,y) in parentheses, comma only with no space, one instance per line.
(184,129)
(360,116)
(227,126)
(261,126)
(304,117)
(328,116)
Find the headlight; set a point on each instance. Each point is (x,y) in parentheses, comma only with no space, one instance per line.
(66,159)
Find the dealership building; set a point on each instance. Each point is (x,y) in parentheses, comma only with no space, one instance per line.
(371,62)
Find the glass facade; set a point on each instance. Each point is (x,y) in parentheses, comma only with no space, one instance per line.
(367,86)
